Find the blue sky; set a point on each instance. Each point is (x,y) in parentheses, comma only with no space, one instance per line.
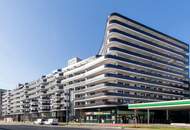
(39,36)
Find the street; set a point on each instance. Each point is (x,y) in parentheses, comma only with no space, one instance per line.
(27,127)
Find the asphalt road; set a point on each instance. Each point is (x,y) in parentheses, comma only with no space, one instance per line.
(26,127)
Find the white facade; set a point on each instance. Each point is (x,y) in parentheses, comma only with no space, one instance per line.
(135,64)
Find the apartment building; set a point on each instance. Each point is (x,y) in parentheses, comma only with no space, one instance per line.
(1,93)
(135,64)
(14,101)
(38,99)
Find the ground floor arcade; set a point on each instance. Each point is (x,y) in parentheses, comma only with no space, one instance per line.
(154,112)
(117,114)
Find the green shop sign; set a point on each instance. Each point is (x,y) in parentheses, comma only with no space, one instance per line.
(175,103)
(97,113)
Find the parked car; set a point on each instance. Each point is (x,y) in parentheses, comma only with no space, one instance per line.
(39,121)
(51,122)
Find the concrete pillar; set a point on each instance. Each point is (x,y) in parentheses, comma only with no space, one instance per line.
(167,115)
(116,111)
(148,116)
(99,121)
(189,116)
(135,113)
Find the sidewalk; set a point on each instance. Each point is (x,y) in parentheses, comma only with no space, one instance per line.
(65,125)
(100,125)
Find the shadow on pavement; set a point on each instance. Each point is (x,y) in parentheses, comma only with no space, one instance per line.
(4,128)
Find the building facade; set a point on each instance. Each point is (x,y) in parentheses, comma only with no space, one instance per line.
(139,64)
(135,64)
(38,99)
(1,93)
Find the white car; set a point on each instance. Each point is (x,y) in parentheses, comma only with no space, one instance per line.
(39,121)
(51,122)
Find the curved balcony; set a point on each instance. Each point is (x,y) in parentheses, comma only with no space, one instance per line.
(146,33)
(143,80)
(143,64)
(116,29)
(146,57)
(159,76)
(112,94)
(112,86)
(116,16)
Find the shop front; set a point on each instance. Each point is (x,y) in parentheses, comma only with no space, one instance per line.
(114,115)
(99,117)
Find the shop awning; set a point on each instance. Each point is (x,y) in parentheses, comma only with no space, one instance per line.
(175,104)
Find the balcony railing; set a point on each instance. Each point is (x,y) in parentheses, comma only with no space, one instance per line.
(142,72)
(119,95)
(151,89)
(142,64)
(144,81)
(98,104)
(144,56)
(147,33)
(147,41)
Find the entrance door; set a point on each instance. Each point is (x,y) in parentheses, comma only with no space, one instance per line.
(124,118)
